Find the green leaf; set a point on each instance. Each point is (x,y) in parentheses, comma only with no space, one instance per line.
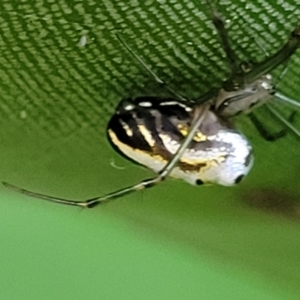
(62,73)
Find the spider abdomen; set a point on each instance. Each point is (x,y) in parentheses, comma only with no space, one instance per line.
(149,131)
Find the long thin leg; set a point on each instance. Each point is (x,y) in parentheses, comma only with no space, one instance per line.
(284,121)
(218,22)
(285,99)
(157,79)
(258,69)
(276,59)
(199,115)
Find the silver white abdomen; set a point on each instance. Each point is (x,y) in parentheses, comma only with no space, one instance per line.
(149,131)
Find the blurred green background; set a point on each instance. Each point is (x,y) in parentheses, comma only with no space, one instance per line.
(62,73)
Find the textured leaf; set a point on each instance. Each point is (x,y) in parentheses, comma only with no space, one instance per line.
(63,71)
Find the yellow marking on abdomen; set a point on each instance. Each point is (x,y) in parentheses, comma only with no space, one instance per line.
(126,128)
(198,137)
(147,135)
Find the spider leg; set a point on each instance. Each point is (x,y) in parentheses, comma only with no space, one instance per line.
(199,115)
(255,71)
(273,61)
(219,24)
(156,78)
(283,120)
(287,100)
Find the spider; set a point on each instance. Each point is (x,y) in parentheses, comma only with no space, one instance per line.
(193,140)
